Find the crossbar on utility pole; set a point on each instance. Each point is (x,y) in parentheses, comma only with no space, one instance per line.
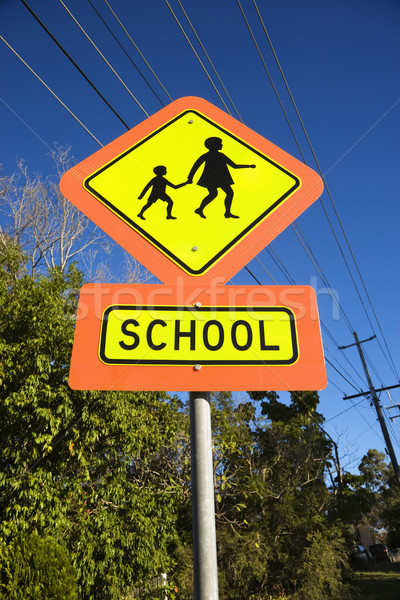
(375,399)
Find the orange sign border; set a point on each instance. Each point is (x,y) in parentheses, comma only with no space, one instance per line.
(88,372)
(72,187)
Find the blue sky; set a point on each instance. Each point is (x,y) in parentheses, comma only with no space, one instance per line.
(341,60)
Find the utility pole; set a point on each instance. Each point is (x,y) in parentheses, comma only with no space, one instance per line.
(372,391)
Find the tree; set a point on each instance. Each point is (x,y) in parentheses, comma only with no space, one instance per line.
(36,568)
(274,536)
(48,228)
(51,231)
(86,468)
(384,509)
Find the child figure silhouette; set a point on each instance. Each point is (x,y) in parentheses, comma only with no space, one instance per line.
(159,184)
(215,175)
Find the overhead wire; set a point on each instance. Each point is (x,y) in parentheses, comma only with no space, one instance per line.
(298,233)
(354,384)
(35,16)
(297,229)
(336,386)
(127,126)
(137,49)
(126,53)
(320,272)
(294,226)
(209,60)
(393,433)
(265,269)
(391,361)
(292,281)
(197,56)
(97,140)
(50,90)
(343,411)
(103,57)
(339,373)
(279,263)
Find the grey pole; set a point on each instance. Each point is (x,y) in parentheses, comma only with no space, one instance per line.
(378,409)
(203,510)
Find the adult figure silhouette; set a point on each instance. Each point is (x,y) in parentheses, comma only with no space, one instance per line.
(215,175)
(158,186)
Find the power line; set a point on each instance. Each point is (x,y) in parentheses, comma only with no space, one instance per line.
(292,281)
(126,53)
(196,55)
(210,61)
(354,384)
(314,261)
(50,90)
(297,229)
(267,272)
(269,77)
(333,205)
(103,57)
(375,399)
(257,259)
(26,124)
(344,411)
(137,49)
(279,264)
(74,63)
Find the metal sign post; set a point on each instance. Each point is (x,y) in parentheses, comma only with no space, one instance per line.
(203,512)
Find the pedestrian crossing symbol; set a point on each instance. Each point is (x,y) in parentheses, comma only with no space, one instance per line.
(190,186)
(192,189)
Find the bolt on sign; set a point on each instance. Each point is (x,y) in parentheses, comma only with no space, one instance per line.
(191,191)
(190,337)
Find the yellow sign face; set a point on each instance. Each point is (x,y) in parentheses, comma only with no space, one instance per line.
(192,189)
(219,335)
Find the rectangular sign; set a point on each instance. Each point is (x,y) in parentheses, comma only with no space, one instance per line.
(204,335)
(196,338)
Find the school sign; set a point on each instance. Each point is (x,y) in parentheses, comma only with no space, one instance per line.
(194,195)
(263,199)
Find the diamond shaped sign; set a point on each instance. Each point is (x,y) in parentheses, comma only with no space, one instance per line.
(191,192)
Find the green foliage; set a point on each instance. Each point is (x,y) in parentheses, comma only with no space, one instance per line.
(391,517)
(375,471)
(383,512)
(352,502)
(274,536)
(95,469)
(323,568)
(109,473)
(36,568)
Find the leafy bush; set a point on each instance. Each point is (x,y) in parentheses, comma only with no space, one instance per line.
(324,569)
(36,568)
